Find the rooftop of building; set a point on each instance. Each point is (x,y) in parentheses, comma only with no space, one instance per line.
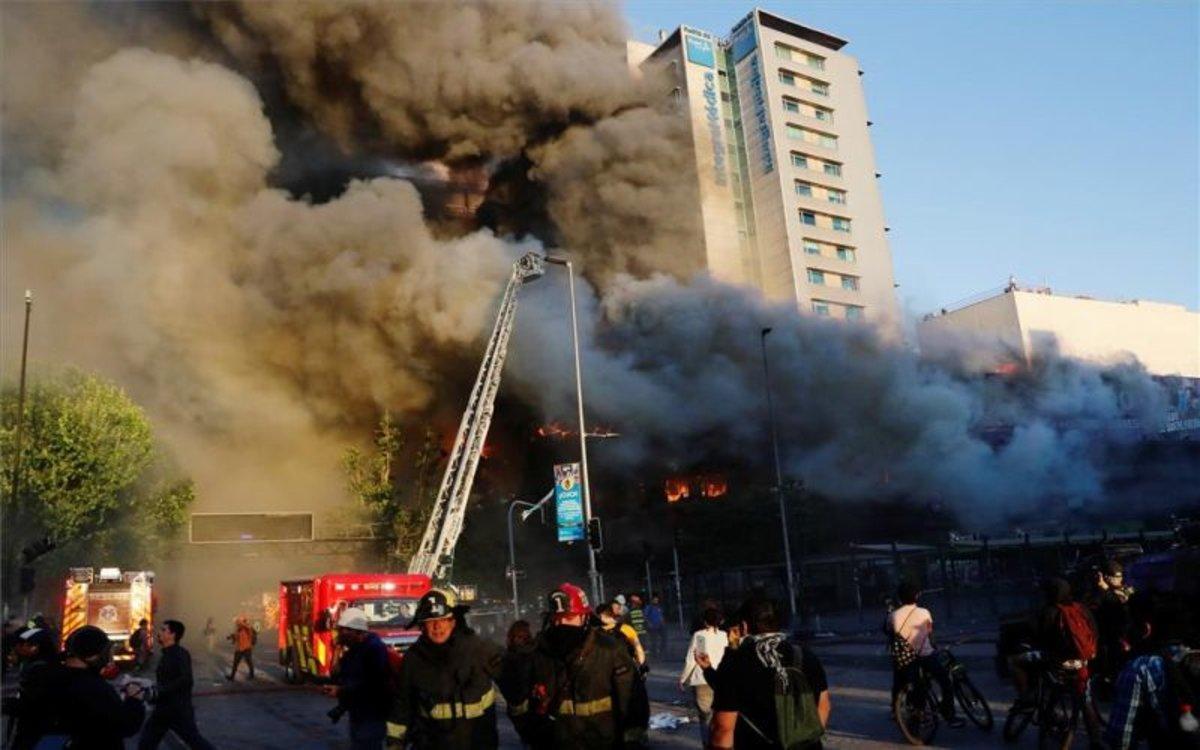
(1014,287)
(770,21)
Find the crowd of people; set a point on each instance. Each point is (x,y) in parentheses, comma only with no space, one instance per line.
(579,678)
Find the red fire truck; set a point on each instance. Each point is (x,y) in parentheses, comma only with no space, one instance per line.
(112,600)
(309,609)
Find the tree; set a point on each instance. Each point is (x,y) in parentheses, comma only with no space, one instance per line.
(395,492)
(90,468)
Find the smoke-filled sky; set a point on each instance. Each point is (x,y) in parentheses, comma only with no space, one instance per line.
(146,152)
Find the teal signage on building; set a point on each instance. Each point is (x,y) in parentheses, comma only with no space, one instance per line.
(699,51)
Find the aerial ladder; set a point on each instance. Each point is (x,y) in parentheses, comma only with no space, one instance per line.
(435,556)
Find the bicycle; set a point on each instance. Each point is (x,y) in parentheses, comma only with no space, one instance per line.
(918,703)
(1056,706)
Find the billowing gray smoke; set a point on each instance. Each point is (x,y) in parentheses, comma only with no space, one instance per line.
(264,332)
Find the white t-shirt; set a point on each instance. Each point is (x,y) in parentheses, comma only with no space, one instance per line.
(709,641)
(915,625)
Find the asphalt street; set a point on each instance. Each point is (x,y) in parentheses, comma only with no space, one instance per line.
(267,713)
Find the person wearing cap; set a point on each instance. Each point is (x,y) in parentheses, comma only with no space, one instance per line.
(445,697)
(93,715)
(173,709)
(33,708)
(581,680)
(362,681)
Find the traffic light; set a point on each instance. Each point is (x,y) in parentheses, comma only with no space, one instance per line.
(37,549)
(595,536)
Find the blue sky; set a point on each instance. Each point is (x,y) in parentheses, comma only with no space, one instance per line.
(1054,141)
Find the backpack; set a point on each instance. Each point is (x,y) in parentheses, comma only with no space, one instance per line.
(901,650)
(1079,630)
(796,719)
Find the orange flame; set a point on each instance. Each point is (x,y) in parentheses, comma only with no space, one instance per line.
(709,486)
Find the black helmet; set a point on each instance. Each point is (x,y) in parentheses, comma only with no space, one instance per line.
(436,604)
(87,642)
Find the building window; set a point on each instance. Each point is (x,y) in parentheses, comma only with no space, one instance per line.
(854,312)
(815,62)
(850,283)
(787,79)
(791,105)
(840,224)
(795,133)
(821,308)
(823,115)
(804,189)
(812,248)
(800,161)
(816,277)
(836,196)
(846,254)
(783,53)
(833,168)
(828,141)
(818,87)
(809,218)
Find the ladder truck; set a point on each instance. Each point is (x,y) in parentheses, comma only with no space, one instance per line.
(435,556)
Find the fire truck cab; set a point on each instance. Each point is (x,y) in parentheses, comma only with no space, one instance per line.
(112,600)
(309,609)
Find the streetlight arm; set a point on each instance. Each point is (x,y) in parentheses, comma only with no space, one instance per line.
(531,507)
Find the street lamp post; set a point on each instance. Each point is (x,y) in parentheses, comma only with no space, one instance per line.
(783,517)
(13,516)
(512,547)
(593,575)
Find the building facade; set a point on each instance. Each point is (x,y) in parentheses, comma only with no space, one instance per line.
(789,201)
(1018,324)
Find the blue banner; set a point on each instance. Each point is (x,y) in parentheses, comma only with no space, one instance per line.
(699,51)
(568,503)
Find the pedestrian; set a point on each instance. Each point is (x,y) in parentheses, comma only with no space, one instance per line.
(32,710)
(173,710)
(210,635)
(90,711)
(12,631)
(656,624)
(581,679)
(141,643)
(766,671)
(1110,608)
(636,616)
(363,681)
(911,626)
(243,637)
(1067,636)
(444,694)
(514,676)
(707,644)
(637,721)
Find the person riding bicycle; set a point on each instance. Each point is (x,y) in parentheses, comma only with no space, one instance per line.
(915,625)
(1067,635)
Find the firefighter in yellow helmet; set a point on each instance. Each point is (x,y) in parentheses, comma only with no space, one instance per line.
(444,693)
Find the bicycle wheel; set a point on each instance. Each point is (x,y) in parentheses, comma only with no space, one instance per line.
(973,703)
(915,715)
(1016,722)
(1057,718)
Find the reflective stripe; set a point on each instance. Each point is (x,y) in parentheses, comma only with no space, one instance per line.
(587,708)
(458,710)
(396,731)
(518,709)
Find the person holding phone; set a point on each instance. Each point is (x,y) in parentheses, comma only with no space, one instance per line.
(704,652)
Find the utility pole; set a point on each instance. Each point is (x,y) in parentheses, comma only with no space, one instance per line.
(678,586)
(783,516)
(14,512)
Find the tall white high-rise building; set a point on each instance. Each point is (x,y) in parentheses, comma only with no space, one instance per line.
(787,180)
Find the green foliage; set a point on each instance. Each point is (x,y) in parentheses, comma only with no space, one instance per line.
(90,470)
(393,488)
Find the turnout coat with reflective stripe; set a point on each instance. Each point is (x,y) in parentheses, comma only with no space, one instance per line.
(444,697)
(581,684)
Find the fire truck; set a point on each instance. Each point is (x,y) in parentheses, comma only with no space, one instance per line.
(309,609)
(112,600)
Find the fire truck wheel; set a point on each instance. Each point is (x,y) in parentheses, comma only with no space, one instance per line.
(291,668)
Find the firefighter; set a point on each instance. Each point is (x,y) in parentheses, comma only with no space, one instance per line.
(444,694)
(582,680)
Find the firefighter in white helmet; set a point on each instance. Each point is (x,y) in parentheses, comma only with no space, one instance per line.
(445,697)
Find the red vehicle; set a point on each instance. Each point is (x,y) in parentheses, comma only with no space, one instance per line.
(309,610)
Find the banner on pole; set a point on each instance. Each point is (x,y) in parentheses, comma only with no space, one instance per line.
(568,503)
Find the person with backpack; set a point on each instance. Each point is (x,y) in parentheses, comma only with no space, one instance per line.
(243,637)
(910,629)
(362,681)
(444,698)
(770,692)
(581,680)
(1067,636)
